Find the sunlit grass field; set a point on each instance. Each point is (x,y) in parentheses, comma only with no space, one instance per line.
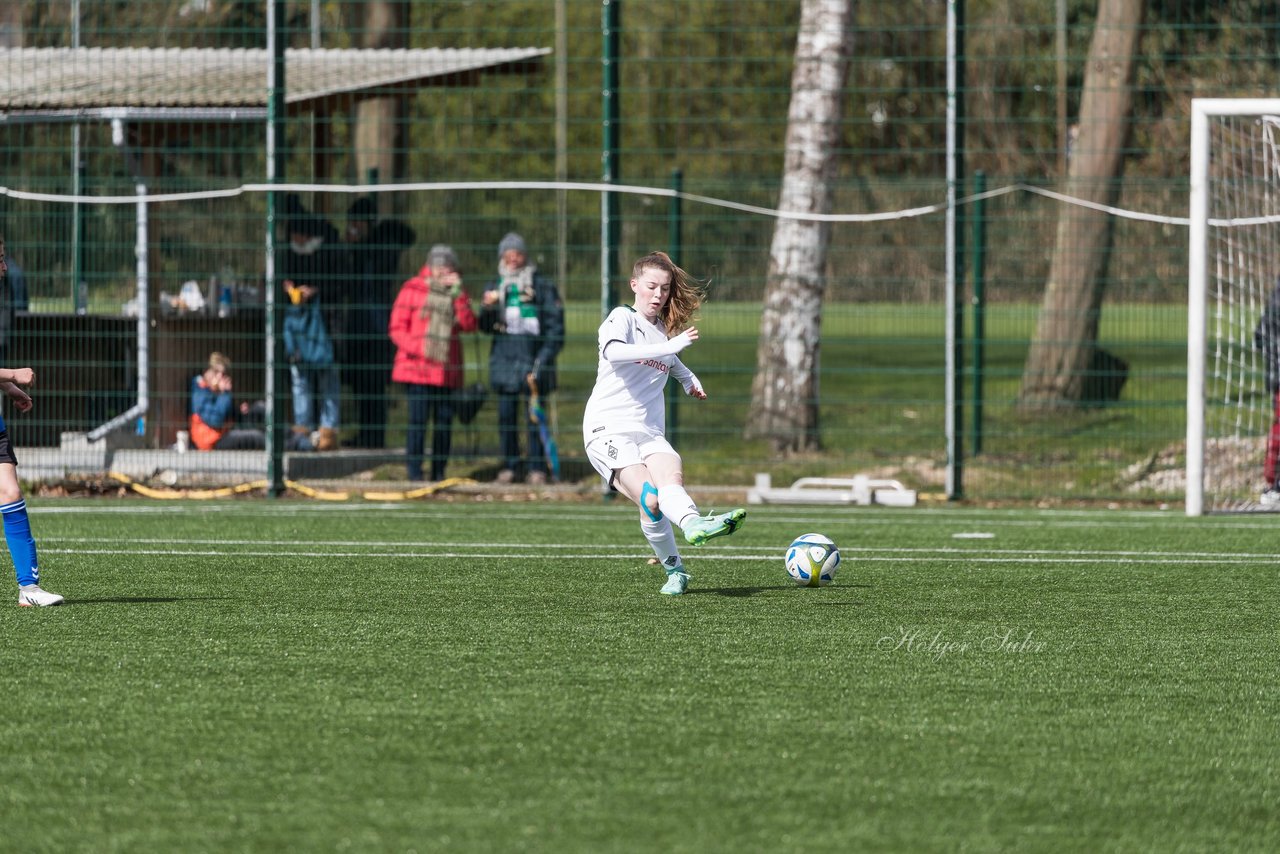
(491,676)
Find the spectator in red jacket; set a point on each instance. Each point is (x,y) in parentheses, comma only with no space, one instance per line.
(430,312)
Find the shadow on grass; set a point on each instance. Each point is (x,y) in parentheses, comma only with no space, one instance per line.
(741,592)
(140,600)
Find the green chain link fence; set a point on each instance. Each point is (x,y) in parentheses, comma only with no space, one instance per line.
(101,103)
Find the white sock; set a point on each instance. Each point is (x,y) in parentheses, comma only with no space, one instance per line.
(662,541)
(676,504)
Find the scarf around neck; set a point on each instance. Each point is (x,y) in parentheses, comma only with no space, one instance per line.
(518,299)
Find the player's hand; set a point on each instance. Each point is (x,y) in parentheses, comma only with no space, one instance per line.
(696,391)
(684,339)
(24,376)
(20,399)
(453,282)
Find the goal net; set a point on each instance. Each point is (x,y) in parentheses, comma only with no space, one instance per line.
(1233,306)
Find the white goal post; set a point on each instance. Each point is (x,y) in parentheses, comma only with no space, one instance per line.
(1233,267)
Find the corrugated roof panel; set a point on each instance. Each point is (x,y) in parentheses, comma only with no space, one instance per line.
(91,78)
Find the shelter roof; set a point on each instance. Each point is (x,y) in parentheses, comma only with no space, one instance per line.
(88,80)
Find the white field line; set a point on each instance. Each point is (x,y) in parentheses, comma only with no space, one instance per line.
(719,549)
(1046,557)
(759,515)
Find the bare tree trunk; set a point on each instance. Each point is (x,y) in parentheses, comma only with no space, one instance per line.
(11,25)
(784,394)
(1066,335)
(379,122)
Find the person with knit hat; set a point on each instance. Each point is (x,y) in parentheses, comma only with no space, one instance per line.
(374,247)
(430,312)
(522,310)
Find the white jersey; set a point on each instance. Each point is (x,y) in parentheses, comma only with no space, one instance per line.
(628,396)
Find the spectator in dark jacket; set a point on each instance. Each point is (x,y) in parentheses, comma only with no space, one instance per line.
(374,248)
(523,312)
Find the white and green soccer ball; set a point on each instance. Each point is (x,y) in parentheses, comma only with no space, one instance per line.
(812,560)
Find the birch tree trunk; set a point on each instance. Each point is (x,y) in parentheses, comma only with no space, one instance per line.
(379,121)
(1054,374)
(784,394)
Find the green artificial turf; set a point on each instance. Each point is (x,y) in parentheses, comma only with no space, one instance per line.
(484,676)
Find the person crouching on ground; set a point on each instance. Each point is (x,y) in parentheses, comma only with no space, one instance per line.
(212,423)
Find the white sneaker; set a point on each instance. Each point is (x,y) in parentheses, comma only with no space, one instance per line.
(1270,498)
(34,597)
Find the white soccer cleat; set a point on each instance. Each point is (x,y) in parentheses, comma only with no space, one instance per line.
(1270,498)
(34,597)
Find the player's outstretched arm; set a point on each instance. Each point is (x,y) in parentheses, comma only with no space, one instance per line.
(21,376)
(620,351)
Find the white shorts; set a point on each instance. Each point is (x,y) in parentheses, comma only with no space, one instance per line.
(615,451)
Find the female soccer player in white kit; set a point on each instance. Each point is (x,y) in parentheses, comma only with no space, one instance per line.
(625,419)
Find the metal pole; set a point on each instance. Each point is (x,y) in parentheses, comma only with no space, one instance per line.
(609,220)
(675,248)
(79,289)
(562,144)
(675,218)
(143,266)
(79,284)
(979,306)
(136,414)
(954,260)
(277,368)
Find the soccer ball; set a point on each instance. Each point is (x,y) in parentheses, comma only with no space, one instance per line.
(812,560)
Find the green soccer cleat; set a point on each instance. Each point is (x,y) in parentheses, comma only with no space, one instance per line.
(706,528)
(677,583)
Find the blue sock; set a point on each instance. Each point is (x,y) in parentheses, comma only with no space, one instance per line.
(22,546)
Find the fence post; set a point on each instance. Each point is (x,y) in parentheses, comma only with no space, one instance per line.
(675,247)
(978,352)
(277,379)
(610,222)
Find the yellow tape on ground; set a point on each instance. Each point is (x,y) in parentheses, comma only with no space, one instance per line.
(321,494)
(300,488)
(420,492)
(220,492)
